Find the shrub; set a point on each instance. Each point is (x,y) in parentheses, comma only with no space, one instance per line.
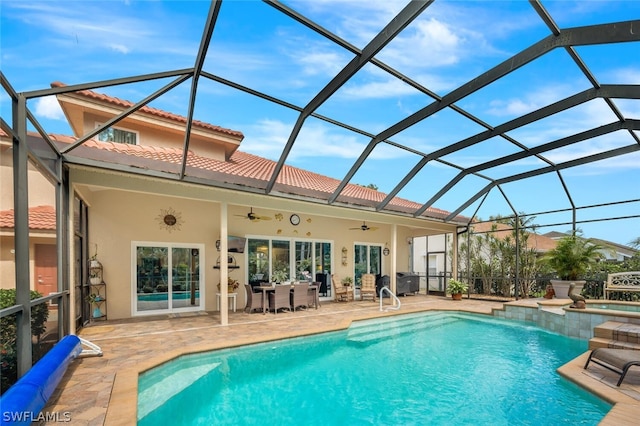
(8,334)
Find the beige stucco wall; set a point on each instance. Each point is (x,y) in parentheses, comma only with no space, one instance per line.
(162,137)
(41,191)
(117,218)
(8,260)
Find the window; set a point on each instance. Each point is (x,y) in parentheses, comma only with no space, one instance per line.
(118,135)
(286,260)
(167,278)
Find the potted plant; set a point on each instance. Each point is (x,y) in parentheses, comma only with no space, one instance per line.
(93,261)
(232,285)
(456,288)
(279,276)
(572,257)
(94,298)
(347,281)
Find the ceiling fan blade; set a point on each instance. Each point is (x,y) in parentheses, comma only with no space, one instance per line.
(263,217)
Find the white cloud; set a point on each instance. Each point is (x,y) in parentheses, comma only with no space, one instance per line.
(49,107)
(626,75)
(379,89)
(268,137)
(323,63)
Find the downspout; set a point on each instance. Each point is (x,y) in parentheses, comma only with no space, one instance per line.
(224,266)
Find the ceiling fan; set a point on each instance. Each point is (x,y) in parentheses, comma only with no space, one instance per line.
(364,227)
(253,217)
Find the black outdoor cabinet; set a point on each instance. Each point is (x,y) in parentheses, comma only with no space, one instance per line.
(383,281)
(323,279)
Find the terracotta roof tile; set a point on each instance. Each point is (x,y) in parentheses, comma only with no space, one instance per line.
(152,111)
(40,217)
(245,168)
(258,169)
(536,241)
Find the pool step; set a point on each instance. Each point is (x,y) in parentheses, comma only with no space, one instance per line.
(613,334)
(169,385)
(371,333)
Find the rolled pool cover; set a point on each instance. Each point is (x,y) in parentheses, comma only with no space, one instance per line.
(23,401)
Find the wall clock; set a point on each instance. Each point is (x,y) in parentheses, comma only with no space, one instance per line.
(294,219)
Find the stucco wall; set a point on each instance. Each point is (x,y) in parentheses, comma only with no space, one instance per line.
(116,218)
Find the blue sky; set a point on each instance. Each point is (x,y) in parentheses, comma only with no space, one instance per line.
(451,43)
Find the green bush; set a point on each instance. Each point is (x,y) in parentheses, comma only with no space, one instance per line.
(8,332)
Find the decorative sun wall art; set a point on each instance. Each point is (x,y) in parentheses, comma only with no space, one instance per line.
(170,219)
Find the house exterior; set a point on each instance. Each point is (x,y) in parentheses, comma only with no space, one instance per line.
(160,239)
(611,252)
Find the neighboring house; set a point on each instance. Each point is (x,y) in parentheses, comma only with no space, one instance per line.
(537,242)
(158,236)
(431,256)
(612,252)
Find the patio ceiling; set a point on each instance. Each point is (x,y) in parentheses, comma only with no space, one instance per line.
(507,144)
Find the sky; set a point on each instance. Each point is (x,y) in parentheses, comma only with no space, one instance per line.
(448,45)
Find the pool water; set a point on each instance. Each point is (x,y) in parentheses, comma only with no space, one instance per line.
(435,369)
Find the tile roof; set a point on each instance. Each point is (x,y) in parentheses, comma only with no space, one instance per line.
(244,169)
(539,242)
(40,217)
(149,110)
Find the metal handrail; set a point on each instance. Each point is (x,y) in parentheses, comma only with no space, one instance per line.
(394,308)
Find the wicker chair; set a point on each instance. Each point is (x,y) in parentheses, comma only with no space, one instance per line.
(343,293)
(299,296)
(368,286)
(254,300)
(279,298)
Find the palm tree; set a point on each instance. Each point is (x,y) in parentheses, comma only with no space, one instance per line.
(573,256)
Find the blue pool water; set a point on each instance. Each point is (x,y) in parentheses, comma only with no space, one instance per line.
(156,297)
(435,369)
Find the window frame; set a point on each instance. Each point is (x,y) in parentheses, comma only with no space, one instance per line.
(169,246)
(122,129)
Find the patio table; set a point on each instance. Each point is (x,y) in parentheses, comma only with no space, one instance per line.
(267,288)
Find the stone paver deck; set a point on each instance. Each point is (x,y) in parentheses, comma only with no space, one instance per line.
(103,390)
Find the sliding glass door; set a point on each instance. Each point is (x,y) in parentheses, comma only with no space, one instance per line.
(167,278)
(367,260)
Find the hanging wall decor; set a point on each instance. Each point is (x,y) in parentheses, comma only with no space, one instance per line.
(170,219)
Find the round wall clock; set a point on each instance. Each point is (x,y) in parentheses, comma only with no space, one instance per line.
(294,219)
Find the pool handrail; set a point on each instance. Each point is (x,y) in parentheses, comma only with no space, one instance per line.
(394,308)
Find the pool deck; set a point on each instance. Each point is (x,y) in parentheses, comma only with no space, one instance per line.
(103,390)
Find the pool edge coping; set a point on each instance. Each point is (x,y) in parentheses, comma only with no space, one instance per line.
(123,401)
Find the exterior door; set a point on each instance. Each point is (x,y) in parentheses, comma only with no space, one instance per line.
(46,269)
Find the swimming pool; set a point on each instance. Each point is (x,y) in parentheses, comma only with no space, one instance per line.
(433,368)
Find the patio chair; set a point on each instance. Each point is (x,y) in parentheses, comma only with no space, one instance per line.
(299,296)
(254,300)
(343,293)
(279,298)
(368,286)
(617,360)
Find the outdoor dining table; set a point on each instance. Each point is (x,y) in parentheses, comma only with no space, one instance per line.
(268,288)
